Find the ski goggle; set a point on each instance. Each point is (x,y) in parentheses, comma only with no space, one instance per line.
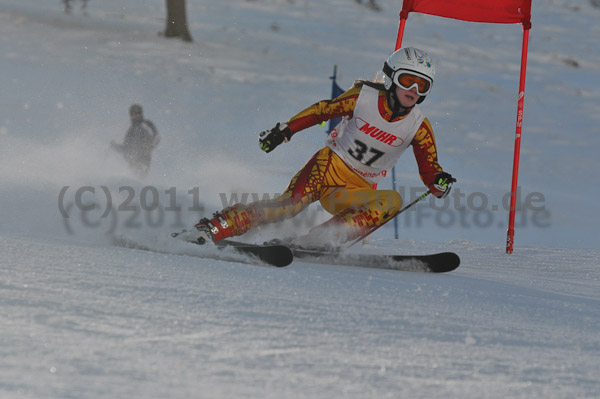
(407,81)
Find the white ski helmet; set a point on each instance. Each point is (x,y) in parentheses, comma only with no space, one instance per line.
(409,61)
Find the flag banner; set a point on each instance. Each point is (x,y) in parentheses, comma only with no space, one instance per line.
(486,11)
(336,90)
(491,11)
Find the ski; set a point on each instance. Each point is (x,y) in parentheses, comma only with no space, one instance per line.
(432,263)
(277,255)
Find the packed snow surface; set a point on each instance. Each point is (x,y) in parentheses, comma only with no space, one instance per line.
(81,318)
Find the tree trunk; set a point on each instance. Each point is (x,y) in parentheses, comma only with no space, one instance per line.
(177,20)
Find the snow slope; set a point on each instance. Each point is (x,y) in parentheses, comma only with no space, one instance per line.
(82,319)
(92,322)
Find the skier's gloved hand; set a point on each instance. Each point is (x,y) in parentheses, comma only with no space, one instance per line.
(442,184)
(269,139)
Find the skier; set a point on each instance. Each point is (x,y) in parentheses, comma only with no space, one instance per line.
(380,120)
(141,138)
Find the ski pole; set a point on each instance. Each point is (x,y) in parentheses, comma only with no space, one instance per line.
(419,198)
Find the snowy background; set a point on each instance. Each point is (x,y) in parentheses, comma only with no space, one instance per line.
(82,319)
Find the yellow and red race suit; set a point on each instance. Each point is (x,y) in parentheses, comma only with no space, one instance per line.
(342,189)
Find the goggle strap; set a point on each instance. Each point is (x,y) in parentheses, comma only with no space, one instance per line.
(387,69)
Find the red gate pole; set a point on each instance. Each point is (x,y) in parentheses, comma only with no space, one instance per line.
(510,237)
(403,16)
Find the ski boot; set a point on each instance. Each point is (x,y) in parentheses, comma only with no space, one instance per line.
(206,231)
(200,234)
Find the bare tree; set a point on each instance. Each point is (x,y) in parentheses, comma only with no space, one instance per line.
(69,7)
(177,25)
(372,4)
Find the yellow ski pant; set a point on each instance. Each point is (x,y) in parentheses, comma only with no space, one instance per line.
(325,178)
